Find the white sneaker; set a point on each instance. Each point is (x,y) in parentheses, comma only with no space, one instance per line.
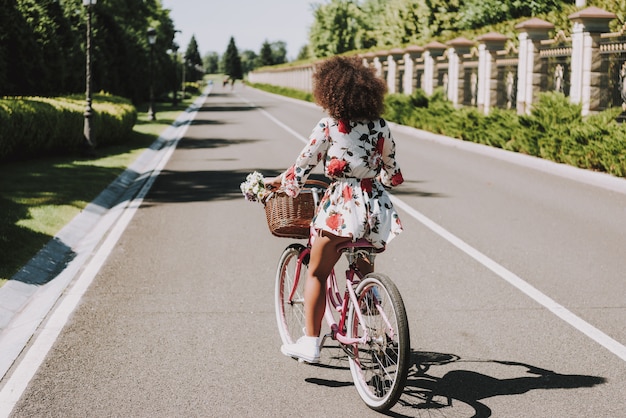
(305,349)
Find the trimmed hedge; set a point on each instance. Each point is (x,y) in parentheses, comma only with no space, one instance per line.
(34,126)
(554,130)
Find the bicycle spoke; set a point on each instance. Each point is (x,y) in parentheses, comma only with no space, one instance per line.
(289,294)
(379,366)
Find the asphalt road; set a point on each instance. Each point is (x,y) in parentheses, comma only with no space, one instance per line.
(512,272)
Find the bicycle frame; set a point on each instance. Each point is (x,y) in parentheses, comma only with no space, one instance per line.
(359,316)
(339,303)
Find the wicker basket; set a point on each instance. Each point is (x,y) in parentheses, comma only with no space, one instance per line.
(289,217)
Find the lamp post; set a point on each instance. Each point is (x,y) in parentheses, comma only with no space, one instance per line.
(175,50)
(151,41)
(175,47)
(89,139)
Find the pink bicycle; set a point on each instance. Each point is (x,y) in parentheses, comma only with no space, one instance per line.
(371,325)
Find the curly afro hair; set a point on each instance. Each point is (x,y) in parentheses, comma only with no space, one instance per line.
(348,90)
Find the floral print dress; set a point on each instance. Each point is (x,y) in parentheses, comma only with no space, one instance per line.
(359,158)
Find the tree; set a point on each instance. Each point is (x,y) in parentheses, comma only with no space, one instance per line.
(335,28)
(279,52)
(232,61)
(478,13)
(266,57)
(443,14)
(193,61)
(42,47)
(399,22)
(304,53)
(211,62)
(249,61)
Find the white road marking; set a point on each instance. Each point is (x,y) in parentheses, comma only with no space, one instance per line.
(49,332)
(559,310)
(580,324)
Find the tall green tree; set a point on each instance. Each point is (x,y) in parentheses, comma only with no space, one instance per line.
(211,62)
(193,61)
(443,15)
(232,61)
(249,61)
(31,35)
(279,52)
(304,53)
(335,28)
(398,22)
(266,57)
(42,47)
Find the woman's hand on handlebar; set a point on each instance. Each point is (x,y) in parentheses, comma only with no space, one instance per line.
(273,182)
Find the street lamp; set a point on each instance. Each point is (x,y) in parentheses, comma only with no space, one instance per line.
(151,41)
(89,140)
(175,92)
(175,47)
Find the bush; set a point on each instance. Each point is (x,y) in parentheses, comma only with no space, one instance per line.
(554,129)
(496,129)
(419,98)
(192,87)
(33,126)
(550,122)
(398,108)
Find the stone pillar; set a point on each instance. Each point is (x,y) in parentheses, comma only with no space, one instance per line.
(429,69)
(433,50)
(490,43)
(529,71)
(394,80)
(378,66)
(411,53)
(407,77)
(391,75)
(368,59)
(587,74)
(458,48)
(383,62)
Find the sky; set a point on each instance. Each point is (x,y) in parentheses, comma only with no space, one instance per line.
(249,22)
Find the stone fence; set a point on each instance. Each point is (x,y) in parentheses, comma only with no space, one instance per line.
(588,66)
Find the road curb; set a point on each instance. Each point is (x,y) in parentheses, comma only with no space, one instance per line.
(593,178)
(33,291)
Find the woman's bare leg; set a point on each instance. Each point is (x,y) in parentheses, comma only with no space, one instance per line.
(324,256)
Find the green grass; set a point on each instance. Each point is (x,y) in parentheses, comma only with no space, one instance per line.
(39,197)
(284,91)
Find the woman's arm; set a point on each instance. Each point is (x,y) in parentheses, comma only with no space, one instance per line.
(390,175)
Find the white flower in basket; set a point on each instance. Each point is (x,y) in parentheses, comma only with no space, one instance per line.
(253,188)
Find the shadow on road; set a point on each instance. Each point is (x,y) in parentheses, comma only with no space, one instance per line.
(199,186)
(464,389)
(208,143)
(436,387)
(226,108)
(206,185)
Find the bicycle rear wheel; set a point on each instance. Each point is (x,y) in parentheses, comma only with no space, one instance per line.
(379,367)
(289,293)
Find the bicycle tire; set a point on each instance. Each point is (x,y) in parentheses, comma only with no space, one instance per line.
(290,314)
(379,367)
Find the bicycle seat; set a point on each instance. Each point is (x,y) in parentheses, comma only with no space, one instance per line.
(360,243)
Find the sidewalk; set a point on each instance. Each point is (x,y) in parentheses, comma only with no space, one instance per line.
(34,290)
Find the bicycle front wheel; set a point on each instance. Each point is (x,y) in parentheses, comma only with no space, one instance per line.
(380,366)
(289,292)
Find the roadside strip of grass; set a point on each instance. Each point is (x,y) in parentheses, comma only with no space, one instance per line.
(39,197)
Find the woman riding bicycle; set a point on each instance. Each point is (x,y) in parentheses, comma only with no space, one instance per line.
(358,152)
